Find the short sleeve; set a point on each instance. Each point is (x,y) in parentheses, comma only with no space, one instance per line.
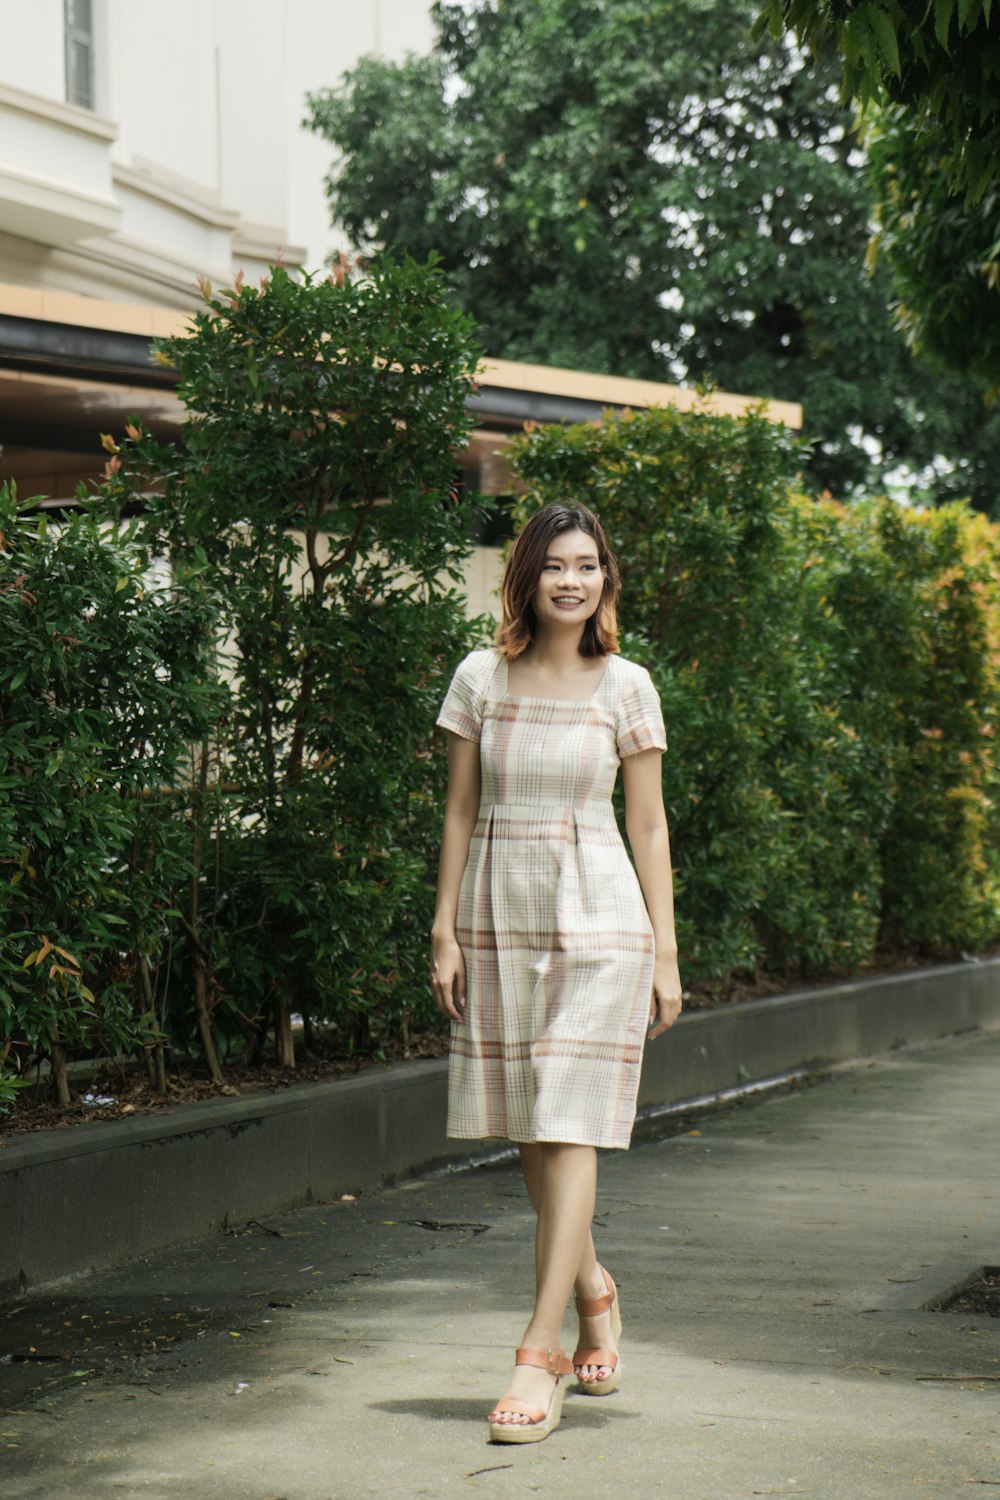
(462,709)
(640,719)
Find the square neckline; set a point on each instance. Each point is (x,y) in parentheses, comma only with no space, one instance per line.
(526,698)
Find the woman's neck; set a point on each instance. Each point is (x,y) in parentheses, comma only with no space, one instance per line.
(557,652)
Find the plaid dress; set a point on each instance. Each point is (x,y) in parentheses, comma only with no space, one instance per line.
(557,942)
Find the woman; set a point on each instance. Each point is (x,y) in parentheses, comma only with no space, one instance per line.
(548,958)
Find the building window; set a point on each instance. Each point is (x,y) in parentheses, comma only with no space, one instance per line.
(79,22)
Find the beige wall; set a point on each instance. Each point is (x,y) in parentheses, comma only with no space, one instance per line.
(482,581)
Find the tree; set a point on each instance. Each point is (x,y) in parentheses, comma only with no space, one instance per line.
(944,250)
(314,492)
(642,189)
(928,77)
(941,61)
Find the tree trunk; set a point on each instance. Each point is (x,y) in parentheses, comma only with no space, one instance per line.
(283,1044)
(160,1068)
(261,1030)
(203,1011)
(57,1061)
(155,1063)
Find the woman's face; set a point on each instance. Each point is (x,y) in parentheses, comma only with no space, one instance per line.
(572,581)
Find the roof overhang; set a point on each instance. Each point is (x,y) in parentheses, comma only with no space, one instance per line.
(71,364)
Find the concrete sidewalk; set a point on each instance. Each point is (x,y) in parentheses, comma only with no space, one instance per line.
(772,1266)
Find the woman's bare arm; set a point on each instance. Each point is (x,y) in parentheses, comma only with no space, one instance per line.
(460,813)
(646,826)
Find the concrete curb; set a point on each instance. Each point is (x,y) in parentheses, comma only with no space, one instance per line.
(84,1200)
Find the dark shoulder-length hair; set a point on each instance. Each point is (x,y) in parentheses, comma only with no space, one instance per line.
(516,630)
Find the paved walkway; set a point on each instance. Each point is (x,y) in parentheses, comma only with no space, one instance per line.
(772,1266)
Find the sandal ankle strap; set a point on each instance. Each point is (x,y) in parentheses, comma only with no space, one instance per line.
(592,1307)
(552,1361)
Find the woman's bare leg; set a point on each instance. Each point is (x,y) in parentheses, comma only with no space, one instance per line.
(564,1177)
(588,1281)
(595,1333)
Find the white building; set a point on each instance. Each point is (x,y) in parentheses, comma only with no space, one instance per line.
(146,142)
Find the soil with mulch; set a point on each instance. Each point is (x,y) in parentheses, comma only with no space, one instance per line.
(981,1296)
(114,1093)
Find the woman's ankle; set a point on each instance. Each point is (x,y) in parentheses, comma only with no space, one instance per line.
(591,1285)
(537,1336)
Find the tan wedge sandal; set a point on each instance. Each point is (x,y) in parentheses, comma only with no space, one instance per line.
(592,1307)
(540,1423)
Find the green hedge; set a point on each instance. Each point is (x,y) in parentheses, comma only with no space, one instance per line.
(220,798)
(315,541)
(829,678)
(103,683)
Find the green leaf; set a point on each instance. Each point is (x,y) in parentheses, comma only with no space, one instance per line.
(885,31)
(943,12)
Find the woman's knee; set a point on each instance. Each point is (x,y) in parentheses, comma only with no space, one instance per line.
(565,1148)
(566,1157)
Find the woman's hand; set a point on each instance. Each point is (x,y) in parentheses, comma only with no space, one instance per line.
(665,1005)
(448,977)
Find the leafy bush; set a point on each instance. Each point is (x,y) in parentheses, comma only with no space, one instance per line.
(801,651)
(315,491)
(103,681)
(220,797)
(220,800)
(908,604)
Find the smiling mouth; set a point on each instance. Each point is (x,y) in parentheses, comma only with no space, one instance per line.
(567,599)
